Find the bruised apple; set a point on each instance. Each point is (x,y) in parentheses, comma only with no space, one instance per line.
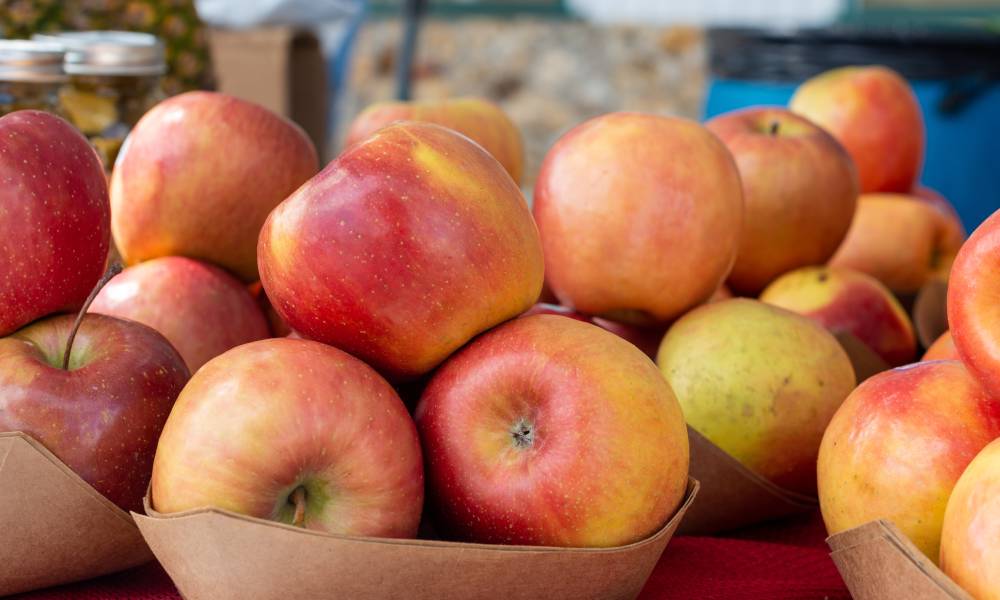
(402,249)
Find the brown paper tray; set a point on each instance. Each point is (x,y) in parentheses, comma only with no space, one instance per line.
(55,527)
(213,554)
(878,562)
(732,496)
(864,360)
(930,312)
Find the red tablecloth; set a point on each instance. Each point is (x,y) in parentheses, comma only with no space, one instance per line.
(783,561)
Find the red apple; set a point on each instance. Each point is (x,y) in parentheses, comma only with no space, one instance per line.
(645,339)
(479,119)
(199,174)
(54,215)
(548,431)
(633,229)
(845,300)
(296,432)
(103,414)
(402,249)
(943,348)
(874,113)
(202,310)
(973,305)
(277,325)
(800,188)
(970,535)
(896,447)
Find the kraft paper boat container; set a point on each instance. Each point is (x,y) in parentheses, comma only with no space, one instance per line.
(930,312)
(54,527)
(732,496)
(213,554)
(878,562)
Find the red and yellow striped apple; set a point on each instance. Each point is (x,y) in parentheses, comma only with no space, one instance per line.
(634,229)
(202,310)
(54,215)
(845,300)
(874,113)
(103,412)
(800,189)
(901,241)
(402,249)
(481,120)
(199,174)
(549,431)
(970,535)
(897,446)
(974,303)
(760,382)
(296,432)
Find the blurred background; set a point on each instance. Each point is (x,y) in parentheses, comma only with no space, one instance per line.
(550,64)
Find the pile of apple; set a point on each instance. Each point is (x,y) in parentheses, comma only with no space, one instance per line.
(412,266)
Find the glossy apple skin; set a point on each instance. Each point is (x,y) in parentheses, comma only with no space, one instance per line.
(403,249)
(54,215)
(632,228)
(645,339)
(202,310)
(607,461)
(199,174)
(101,417)
(970,535)
(874,113)
(845,300)
(480,120)
(973,306)
(760,382)
(267,417)
(898,444)
(943,348)
(901,241)
(800,189)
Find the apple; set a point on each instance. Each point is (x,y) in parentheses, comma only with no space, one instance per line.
(800,189)
(548,431)
(759,382)
(296,432)
(973,306)
(481,120)
(874,113)
(276,324)
(202,310)
(970,534)
(943,348)
(901,241)
(632,227)
(645,339)
(402,249)
(54,215)
(102,413)
(897,446)
(845,300)
(199,174)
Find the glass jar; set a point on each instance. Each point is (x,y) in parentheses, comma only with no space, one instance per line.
(113,79)
(31,75)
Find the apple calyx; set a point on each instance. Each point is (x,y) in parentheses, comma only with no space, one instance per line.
(523,434)
(298,499)
(113,269)
(773,129)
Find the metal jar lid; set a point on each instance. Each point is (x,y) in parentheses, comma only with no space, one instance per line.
(31,60)
(110,52)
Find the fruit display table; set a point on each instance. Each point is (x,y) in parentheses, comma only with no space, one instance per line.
(782,561)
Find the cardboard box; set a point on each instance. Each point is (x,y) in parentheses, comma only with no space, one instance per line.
(56,527)
(280,68)
(878,562)
(214,554)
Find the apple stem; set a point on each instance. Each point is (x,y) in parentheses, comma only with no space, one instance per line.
(113,269)
(299,498)
(773,130)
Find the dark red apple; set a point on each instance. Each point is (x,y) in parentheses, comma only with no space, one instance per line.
(103,414)
(55,218)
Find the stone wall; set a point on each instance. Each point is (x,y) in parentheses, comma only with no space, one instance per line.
(548,75)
